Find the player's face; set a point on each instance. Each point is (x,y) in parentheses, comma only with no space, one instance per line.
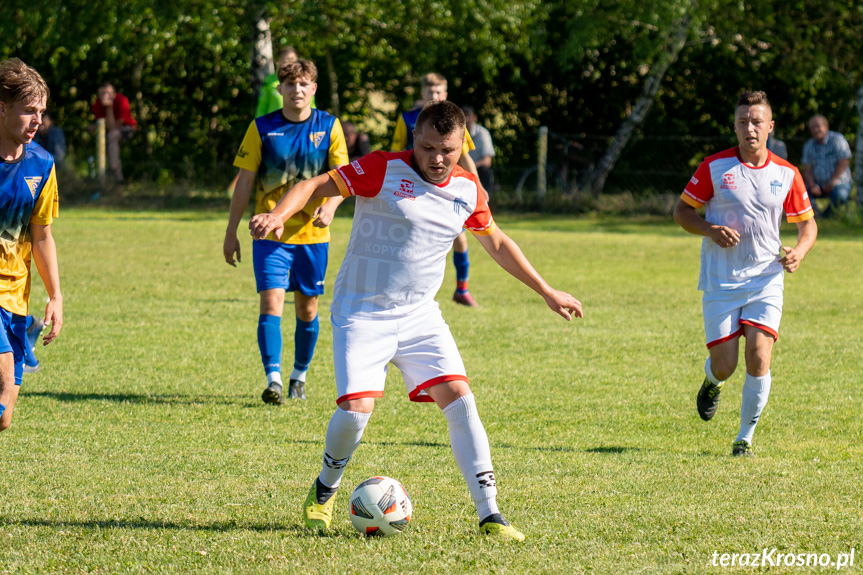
(297,93)
(433,94)
(21,120)
(435,155)
(753,124)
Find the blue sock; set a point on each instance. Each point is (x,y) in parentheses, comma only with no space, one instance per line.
(305,339)
(270,342)
(462,267)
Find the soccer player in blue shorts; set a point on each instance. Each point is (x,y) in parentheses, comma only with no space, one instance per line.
(280,149)
(28,205)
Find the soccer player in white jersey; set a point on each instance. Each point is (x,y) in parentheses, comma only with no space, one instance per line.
(409,207)
(744,189)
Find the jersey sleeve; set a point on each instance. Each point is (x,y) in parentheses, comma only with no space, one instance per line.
(480,222)
(363,177)
(797,206)
(338,152)
(47,204)
(249,155)
(468,143)
(699,190)
(400,138)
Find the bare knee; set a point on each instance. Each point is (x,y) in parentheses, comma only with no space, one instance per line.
(359,405)
(460,243)
(723,359)
(5,423)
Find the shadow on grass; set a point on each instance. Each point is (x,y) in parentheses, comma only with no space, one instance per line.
(613,449)
(221,526)
(136,398)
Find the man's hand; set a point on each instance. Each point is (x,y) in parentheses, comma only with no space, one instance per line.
(54,318)
(815,191)
(828,187)
(724,237)
(262,225)
(324,214)
(792,259)
(564,304)
(231,247)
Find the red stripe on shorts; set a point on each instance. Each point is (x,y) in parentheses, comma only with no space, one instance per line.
(415,394)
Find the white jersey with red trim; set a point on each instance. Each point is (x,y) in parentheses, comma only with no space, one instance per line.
(749,200)
(403,230)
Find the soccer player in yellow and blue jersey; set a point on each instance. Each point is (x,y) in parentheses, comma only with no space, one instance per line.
(28,205)
(280,149)
(434,90)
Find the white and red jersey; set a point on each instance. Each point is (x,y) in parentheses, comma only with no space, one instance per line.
(749,200)
(403,230)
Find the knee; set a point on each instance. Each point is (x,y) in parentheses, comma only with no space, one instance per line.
(360,405)
(5,423)
(723,367)
(460,243)
(308,311)
(757,364)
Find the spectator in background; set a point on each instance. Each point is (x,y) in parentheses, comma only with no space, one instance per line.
(777,146)
(358,144)
(484,151)
(50,136)
(119,123)
(826,159)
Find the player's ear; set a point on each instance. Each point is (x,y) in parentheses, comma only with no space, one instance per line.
(314,88)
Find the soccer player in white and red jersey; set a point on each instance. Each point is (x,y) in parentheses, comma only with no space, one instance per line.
(745,190)
(409,207)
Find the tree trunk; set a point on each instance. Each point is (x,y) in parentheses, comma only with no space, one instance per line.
(858,148)
(262,55)
(334,84)
(673,45)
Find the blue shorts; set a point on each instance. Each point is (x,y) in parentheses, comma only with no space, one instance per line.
(13,338)
(291,267)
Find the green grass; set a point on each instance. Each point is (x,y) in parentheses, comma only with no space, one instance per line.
(143,446)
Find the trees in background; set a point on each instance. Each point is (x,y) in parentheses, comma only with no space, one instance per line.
(579,66)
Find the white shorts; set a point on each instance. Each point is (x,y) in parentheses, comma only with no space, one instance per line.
(420,345)
(727,311)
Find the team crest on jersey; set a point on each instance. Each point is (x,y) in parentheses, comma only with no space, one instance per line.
(33,184)
(406,190)
(775,187)
(317,138)
(728,182)
(458,204)
(357,167)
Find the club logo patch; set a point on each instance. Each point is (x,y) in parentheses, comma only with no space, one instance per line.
(728,182)
(458,204)
(775,187)
(33,184)
(317,138)
(406,190)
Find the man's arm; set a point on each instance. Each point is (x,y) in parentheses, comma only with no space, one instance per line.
(688,219)
(45,254)
(322,186)
(239,201)
(809,178)
(841,166)
(509,256)
(807,231)
(466,162)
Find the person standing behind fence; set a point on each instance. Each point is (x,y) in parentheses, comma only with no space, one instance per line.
(119,123)
(50,136)
(358,144)
(484,150)
(826,159)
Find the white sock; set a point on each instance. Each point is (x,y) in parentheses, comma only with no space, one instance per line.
(274,376)
(708,371)
(343,437)
(472,453)
(755,393)
(299,375)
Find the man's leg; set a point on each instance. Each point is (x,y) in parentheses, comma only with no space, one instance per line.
(305,339)
(720,365)
(756,389)
(472,452)
(8,389)
(344,433)
(270,342)
(462,271)
(840,194)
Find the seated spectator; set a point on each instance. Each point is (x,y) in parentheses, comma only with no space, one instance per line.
(358,144)
(484,151)
(50,136)
(119,123)
(777,146)
(826,159)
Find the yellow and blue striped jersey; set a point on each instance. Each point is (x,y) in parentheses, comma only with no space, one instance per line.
(403,138)
(28,195)
(284,153)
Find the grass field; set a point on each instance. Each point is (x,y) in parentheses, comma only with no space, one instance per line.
(143,445)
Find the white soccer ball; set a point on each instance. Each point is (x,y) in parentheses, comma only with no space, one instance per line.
(380,506)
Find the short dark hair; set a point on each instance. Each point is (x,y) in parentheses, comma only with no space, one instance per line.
(443,116)
(758,98)
(468,110)
(20,83)
(299,69)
